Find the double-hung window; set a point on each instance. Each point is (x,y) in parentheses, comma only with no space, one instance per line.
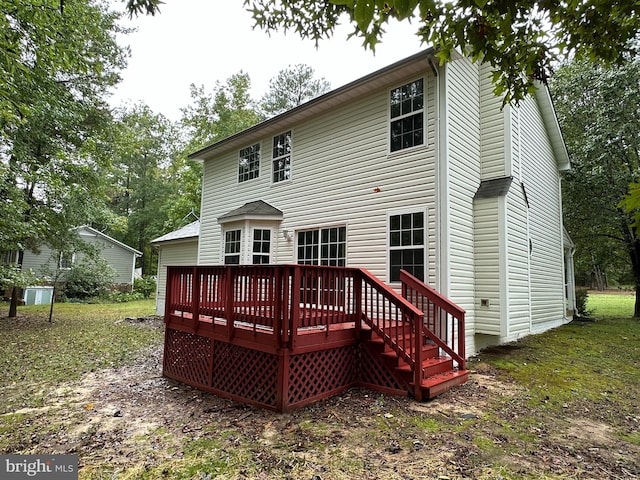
(407,116)
(249,163)
(282,157)
(406,245)
(232,247)
(261,246)
(325,246)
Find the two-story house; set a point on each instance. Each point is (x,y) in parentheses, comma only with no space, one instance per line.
(416,167)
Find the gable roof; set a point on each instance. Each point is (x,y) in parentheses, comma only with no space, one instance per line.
(258,210)
(188,231)
(106,237)
(382,78)
(548,112)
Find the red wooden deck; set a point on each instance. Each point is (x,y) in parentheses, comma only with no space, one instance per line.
(281,336)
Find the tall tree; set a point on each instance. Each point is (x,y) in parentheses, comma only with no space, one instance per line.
(51,110)
(521,39)
(212,116)
(598,110)
(143,149)
(292,86)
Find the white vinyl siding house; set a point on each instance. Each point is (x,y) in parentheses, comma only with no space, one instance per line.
(465,184)
(178,248)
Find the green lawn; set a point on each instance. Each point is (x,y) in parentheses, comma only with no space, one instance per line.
(611,305)
(559,405)
(36,355)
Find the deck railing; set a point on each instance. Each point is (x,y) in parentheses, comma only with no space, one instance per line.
(287,301)
(443,319)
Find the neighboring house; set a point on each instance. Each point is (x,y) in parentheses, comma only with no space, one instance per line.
(417,166)
(179,247)
(121,257)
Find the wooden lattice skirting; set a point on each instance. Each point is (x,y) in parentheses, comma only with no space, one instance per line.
(278,381)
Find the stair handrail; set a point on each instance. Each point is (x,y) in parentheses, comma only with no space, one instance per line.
(414,356)
(456,312)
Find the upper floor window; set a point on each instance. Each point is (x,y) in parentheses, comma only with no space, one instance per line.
(261,246)
(406,245)
(407,116)
(326,246)
(249,163)
(282,157)
(232,247)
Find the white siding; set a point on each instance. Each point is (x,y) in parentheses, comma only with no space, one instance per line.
(519,315)
(492,129)
(541,179)
(487,267)
(173,254)
(463,123)
(339,160)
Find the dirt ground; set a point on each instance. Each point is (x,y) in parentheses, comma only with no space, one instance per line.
(132,415)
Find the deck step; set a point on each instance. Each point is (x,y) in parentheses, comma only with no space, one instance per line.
(435,385)
(430,366)
(428,351)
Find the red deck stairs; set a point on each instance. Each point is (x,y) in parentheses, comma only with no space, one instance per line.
(438,373)
(282,336)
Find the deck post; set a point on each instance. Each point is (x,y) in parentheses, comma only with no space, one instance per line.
(357,294)
(168,294)
(282,389)
(229,313)
(417,372)
(295,305)
(195,297)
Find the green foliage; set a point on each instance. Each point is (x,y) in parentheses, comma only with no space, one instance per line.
(144,144)
(145,286)
(597,111)
(520,39)
(123,297)
(292,87)
(89,279)
(12,276)
(582,299)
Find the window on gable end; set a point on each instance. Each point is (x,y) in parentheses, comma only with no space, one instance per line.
(249,163)
(282,157)
(406,116)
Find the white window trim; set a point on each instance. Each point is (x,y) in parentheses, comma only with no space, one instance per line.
(320,228)
(392,213)
(259,144)
(271,242)
(273,159)
(424,118)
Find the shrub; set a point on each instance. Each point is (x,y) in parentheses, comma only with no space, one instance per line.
(89,279)
(582,298)
(145,285)
(123,297)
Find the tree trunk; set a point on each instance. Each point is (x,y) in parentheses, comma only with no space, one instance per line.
(16,292)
